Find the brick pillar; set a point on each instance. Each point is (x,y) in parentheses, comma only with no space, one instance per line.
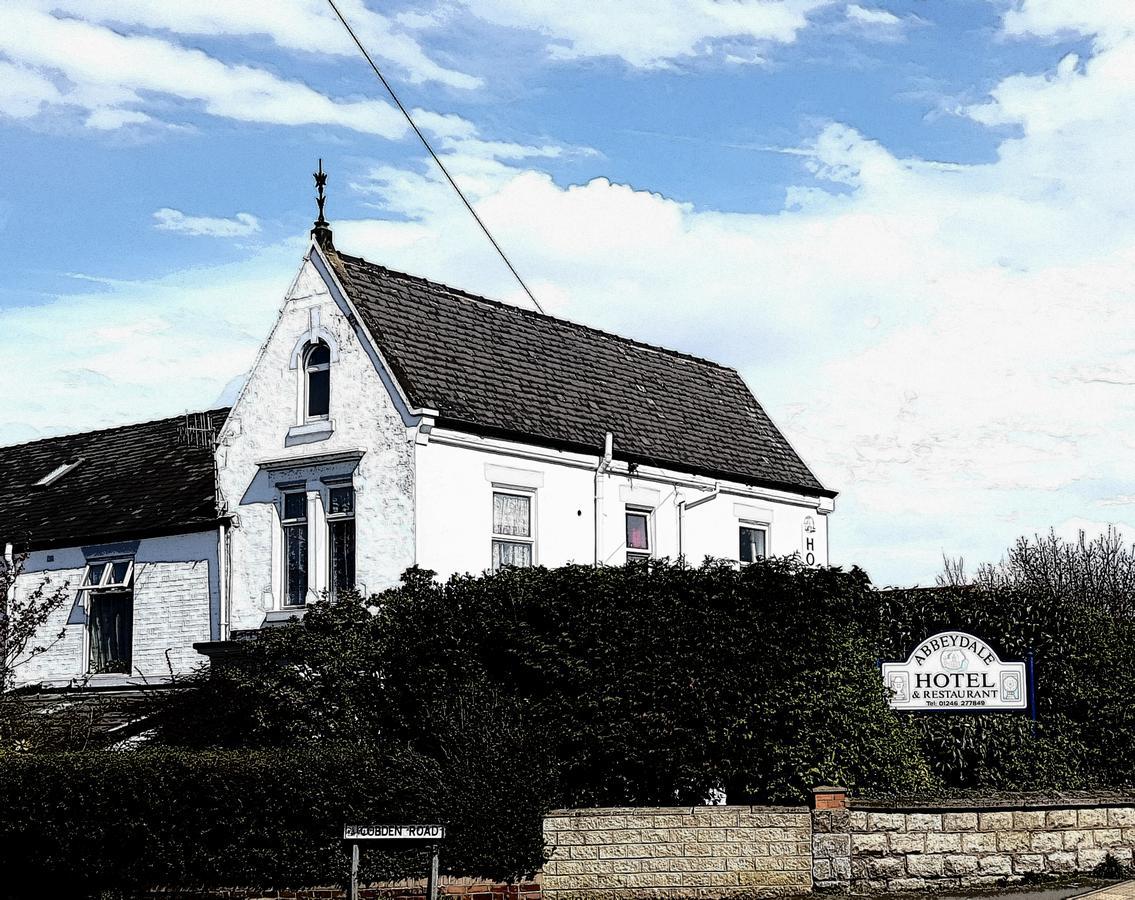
(831,840)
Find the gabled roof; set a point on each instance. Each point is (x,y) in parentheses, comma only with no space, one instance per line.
(494,368)
(133,481)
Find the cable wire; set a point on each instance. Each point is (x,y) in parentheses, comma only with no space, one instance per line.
(436,159)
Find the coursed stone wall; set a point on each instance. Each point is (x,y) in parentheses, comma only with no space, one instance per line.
(704,851)
(923,848)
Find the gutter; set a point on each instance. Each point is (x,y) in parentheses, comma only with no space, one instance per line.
(600,479)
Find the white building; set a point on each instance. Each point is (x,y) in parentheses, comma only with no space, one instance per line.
(390,421)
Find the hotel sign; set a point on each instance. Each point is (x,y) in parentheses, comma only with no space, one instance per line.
(955,671)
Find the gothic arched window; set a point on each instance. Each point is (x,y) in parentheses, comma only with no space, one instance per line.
(317,375)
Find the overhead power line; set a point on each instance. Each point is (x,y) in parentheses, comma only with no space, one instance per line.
(436,159)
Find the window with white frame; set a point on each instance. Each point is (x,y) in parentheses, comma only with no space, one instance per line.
(753,540)
(514,541)
(317,381)
(294,521)
(639,545)
(107,590)
(341,537)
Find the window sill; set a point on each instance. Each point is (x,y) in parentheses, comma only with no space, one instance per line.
(279,616)
(309,433)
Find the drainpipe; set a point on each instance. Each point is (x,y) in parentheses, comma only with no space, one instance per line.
(600,473)
(9,597)
(683,506)
(222,582)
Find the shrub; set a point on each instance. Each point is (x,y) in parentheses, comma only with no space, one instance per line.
(88,822)
(645,684)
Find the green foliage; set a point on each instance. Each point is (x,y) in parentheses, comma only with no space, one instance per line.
(645,684)
(1070,604)
(131,820)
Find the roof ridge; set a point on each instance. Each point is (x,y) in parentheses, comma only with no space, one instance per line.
(658,348)
(113,428)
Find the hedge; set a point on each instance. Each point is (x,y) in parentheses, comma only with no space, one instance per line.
(75,824)
(639,685)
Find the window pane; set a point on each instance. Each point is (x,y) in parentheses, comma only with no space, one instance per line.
(118,571)
(511,553)
(319,355)
(318,393)
(512,515)
(111,625)
(342,501)
(752,544)
(295,506)
(342,555)
(295,546)
(638,537)
(94,573)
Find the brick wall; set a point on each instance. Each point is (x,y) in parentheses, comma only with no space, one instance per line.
(448,889)
(706,851)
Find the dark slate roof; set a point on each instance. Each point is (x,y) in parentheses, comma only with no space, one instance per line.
(134,481)
(494,368)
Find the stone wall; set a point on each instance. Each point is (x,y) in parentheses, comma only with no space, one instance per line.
(918,848)
(705,851)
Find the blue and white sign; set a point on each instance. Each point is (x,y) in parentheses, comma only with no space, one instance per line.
(954,670)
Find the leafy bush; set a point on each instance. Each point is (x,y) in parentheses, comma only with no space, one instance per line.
(1070,603)
(131,820)
(645,684)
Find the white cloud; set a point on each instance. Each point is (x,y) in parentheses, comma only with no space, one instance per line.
(240,225)
(114,77)
(305,25)
(946,343)
(873,17)
(1107,19)
(131,351)
(649,33)
(24,92)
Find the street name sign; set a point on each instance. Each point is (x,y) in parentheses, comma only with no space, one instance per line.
(955,671)
(393,832)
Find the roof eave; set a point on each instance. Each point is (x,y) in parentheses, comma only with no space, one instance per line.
(678,465)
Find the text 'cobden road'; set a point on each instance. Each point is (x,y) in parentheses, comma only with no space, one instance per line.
(393,832)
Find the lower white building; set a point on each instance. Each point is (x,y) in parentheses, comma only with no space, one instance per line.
(389,421)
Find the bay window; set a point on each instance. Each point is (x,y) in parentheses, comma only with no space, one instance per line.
(294,521)
(341,538)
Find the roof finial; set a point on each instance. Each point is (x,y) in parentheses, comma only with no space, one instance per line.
(322,230)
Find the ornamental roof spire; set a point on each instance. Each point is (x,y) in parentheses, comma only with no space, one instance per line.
(321,233)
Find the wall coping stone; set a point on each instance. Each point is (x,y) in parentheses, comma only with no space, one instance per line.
(594,812)
(992,804)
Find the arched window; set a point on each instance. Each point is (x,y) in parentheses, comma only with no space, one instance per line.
(317,374)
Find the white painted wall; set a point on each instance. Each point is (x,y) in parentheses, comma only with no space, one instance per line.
(176,598)
(457,472)
(365,420)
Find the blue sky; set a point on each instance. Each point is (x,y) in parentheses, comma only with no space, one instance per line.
(908,224)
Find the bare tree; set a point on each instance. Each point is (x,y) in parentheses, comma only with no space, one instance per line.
(1097,573)
(23,617)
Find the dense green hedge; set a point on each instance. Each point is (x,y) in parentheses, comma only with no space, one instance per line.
(72,824)
(657,684)
(631,685)
(1084,656)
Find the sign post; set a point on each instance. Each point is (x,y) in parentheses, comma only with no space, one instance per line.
(426,833)
(954,671)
